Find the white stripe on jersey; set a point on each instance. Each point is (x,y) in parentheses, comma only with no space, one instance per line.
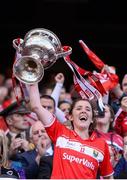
(62,142)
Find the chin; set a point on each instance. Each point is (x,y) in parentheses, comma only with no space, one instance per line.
(83,127)
(24,127)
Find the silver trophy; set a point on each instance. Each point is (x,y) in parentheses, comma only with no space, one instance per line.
(38,51)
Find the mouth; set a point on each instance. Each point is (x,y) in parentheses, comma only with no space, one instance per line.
(83,118)
(26,124)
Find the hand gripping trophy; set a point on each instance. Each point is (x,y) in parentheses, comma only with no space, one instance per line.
(38,51)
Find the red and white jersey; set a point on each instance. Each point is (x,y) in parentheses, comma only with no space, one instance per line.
(75,158)
(112,138)
(120,122)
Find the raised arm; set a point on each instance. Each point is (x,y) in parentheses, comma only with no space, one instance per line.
(59,78)
(45,116)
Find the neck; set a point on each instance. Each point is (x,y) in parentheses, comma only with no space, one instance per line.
(13,130)
(84,134)
(103,127)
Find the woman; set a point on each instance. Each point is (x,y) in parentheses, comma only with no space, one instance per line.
(8,168)
(77,155)
(104,129)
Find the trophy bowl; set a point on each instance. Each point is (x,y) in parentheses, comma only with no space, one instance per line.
(38,51)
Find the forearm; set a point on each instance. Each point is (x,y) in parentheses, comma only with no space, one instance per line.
(34,96)
(45,116)
(56,92)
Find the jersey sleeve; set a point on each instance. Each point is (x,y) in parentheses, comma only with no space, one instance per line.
(54,130)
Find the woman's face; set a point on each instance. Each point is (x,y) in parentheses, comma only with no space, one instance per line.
(82,115)
(107,117)
(124,84)
(65,107)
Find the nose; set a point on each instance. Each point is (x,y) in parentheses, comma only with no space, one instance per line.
(26,118)
(40,133)
(83,110)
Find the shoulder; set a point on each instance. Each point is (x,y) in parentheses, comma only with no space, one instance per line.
(27,154)
(98,142)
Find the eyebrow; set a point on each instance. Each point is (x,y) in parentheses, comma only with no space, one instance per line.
(82,106)
(124,84)
(42,130)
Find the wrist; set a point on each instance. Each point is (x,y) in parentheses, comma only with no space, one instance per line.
(60,84)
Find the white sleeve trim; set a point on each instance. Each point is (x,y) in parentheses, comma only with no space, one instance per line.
(109,174)
(46,126)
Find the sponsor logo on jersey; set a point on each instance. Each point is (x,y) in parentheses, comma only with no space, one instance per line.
(83,161)
(62,142)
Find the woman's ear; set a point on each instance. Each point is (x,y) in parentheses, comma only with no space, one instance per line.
(69,117)
(111,120)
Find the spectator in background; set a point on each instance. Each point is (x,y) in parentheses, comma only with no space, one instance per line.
(48,103)
(16,120)
(65,106)
(104,129)
(46,160)
(8,168)
(3,96)
(119,92)
(57,89)
(56,93)
(51,102)
(124,84)
(120,123)
(37,162)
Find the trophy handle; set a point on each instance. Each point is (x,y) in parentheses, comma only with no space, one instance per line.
(67,50)
(17,44)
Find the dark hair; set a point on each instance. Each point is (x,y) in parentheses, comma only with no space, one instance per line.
(49,86)
(63,101)
(45,96)
(123,95)
(77,100)
(112,116)
(92,125)
(111,111)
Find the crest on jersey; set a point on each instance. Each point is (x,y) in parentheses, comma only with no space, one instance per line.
(95,153)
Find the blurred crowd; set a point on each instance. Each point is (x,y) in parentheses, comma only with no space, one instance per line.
(30,147)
